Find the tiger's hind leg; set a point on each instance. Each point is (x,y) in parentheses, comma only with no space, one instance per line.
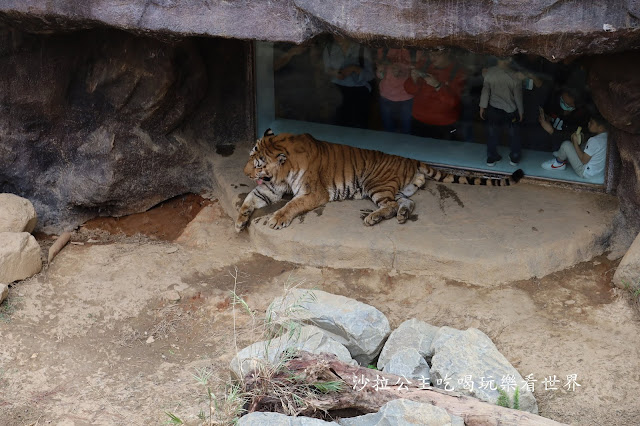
(387,208)
(405,207)
(418,182)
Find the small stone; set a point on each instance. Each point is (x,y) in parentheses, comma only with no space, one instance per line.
(151,339)
(171,295)
(570,302)
(172,250)
(4,292)
(34,356)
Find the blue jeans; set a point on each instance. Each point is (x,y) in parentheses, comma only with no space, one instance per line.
(498,121)
(396,116)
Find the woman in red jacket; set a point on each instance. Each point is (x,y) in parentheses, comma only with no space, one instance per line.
(437,83)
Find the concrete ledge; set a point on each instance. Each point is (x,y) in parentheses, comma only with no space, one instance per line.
(480,235)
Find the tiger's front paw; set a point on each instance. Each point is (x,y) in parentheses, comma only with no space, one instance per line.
(242,222)
(279,221)
(372,219)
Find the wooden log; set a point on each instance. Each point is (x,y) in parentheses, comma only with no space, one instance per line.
(60,242)
(312,368)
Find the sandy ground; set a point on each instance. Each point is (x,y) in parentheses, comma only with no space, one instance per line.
(98,338)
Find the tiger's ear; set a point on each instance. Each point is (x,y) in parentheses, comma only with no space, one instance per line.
(281,158)
(268,132)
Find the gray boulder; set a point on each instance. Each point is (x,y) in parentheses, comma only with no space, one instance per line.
(409,363)
(441,336)
(469,363)
(413,334)
(627,275)
(402,412)
(19,256)
(277,419)
(361,328)
(16,214)
(309,338)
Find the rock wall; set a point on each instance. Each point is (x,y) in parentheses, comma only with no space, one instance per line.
(550,28)
(102,122)
(615,85)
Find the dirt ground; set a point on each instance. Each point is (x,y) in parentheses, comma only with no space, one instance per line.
(112,331)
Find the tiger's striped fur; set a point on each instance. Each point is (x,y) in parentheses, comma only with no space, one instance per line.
(316,172)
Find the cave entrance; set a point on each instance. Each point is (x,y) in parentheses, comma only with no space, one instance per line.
(425,104)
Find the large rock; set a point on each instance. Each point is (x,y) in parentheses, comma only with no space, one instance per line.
(469,363)
(502,27)
(307,338)
(403,412)
(20,256)
(409,363)
(16,214)
(413,334)
(627,275)
(361,328)
(104,122)
(277,419)
(615,87)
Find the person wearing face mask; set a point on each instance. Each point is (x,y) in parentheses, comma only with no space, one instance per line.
(561,118)
(587,159)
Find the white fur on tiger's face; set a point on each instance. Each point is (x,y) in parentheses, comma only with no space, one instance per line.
(316,172)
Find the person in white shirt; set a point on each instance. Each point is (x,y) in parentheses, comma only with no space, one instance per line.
(587,162)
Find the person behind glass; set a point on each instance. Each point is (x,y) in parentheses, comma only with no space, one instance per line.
(436,83)
(350,67)
(536,75)
(588,159)
(392,68)
(501,106)
(561,117)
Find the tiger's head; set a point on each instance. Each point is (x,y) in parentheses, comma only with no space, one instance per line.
(266,160)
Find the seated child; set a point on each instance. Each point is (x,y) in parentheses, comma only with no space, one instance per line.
(587,162)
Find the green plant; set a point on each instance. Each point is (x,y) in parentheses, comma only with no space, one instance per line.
(633,288)
(7,308)
(505,401)
(173,419)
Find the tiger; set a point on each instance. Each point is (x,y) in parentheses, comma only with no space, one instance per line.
(316,172)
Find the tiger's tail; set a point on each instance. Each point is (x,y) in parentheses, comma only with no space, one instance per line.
(444,177)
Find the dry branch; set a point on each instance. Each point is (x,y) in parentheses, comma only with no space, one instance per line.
(60,242)
(310,368)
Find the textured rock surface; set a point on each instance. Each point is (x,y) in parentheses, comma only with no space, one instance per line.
(359,327)
(402,412)
(102,122)
(16,214)
(409,363)
(413,334)
(311,339)
(552,28)
(277,419)
(19,256)
(615,85)
(627,274)
(470,357)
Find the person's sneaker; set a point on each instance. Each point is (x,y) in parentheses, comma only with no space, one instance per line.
(514,162)
(491,161)
(554,165)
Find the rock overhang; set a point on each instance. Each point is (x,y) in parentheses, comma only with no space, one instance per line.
(553,29)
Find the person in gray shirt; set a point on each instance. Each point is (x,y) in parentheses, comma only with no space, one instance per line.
(501,106)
